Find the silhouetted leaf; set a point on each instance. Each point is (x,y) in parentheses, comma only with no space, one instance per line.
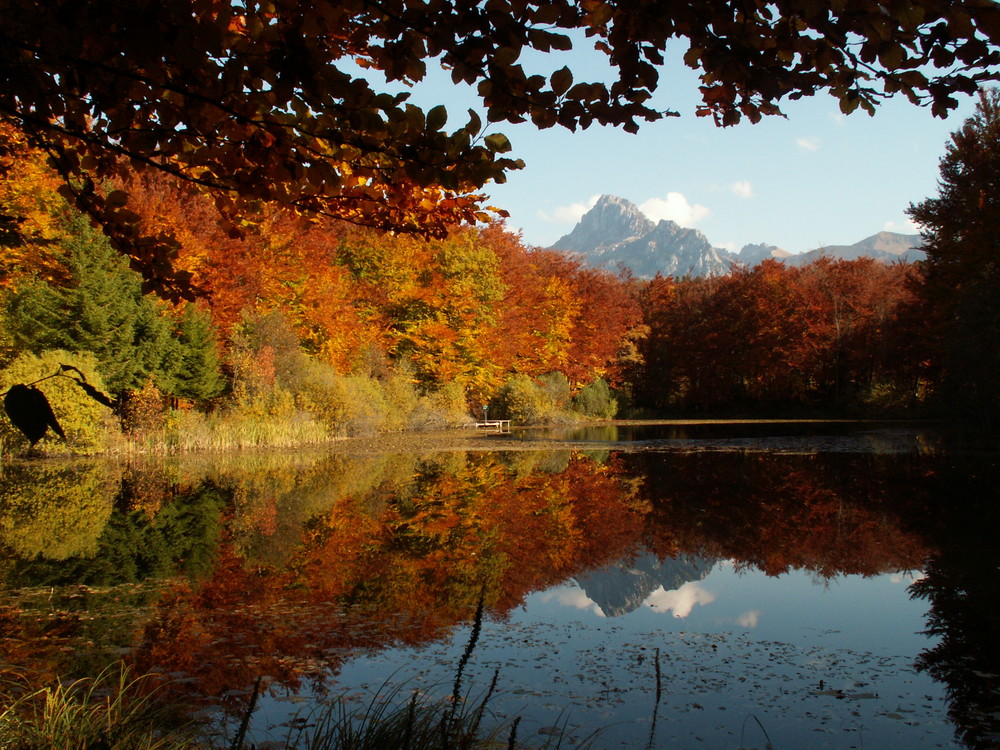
(31,412)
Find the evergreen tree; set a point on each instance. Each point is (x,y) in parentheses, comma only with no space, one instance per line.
(961,229)
(198,373)
(102,310)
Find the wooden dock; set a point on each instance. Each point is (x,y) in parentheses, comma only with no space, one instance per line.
(494,425)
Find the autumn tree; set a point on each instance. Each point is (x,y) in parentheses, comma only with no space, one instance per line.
(95,304)
(868,328)
(30,207)
(961,231)
(841,334)
(289,102)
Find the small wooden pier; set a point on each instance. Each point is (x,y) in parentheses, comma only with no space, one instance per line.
(494,425)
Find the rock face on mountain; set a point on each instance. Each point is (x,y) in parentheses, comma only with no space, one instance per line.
(615,234)
(623,587)
(752,255)
(611,221)
(884,246)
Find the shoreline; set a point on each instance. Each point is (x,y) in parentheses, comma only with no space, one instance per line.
(467,439)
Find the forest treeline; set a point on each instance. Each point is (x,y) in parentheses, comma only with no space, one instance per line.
(311,329)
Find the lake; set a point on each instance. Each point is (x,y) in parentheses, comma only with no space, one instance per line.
(715,585)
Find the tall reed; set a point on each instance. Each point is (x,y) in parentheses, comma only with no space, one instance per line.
(113,711)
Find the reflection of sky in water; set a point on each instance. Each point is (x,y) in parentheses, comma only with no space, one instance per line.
(856,612)
(818,664)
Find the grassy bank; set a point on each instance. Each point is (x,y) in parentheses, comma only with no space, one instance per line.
(118,710)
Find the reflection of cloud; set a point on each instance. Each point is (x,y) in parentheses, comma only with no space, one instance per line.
(680,601)
(907,578)
(748,619)
(570,214)
(675,207)
(570,596)
(808,143)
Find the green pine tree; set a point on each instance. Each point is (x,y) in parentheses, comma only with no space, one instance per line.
(198,372)
(102,311)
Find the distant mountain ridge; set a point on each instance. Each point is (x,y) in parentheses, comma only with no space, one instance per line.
(615,234)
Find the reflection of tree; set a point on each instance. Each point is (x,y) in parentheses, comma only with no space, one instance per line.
(833,515)
(55,511)
(406,567)
(962,585)
(284,565)
(133,547)
(74,609)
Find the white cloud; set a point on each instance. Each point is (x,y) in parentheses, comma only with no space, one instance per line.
(742,188)
(675,207)
(903,227)
(570,214)
(680,601)
(808,143)
(748,619)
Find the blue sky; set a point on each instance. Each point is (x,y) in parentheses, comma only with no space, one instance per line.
(814,178)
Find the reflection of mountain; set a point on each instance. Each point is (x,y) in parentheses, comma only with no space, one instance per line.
(622,587)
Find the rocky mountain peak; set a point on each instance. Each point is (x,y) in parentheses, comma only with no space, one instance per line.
(615,234)
(610,221)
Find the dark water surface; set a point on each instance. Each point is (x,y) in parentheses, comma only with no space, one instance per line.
(779,577)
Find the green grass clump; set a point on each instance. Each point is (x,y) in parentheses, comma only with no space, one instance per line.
(113,711)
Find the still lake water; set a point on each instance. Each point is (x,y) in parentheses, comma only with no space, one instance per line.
(779,577)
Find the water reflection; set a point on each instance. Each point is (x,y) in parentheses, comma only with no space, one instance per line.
(962,585)
(290,566)
(626,585)
(741,435)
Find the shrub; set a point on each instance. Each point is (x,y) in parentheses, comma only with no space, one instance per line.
(522,400)
(90,427)
(439,408)
(345,404)
(143,411)
(555,386)
(596,400)
(401,398)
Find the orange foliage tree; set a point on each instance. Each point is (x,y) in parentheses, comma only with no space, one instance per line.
(265,102)
(833,332)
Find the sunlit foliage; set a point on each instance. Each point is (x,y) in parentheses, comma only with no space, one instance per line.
(265,103)
(841,334)
(89,425)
